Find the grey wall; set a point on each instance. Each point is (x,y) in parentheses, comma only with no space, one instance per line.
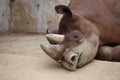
(29,15)
(4,16)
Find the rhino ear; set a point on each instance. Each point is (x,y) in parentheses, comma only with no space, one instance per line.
(61,9)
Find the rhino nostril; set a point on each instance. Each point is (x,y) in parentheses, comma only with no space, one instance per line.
(73,58)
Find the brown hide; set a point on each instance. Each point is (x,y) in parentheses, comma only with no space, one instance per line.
(90,28)
(104,14)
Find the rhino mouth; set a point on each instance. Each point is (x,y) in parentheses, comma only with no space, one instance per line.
(71,58)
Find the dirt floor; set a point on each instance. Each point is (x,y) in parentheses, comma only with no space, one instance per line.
(22,59)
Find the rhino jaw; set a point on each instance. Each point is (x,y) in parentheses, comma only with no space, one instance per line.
(54,38)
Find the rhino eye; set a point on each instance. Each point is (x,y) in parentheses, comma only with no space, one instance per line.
(76,37)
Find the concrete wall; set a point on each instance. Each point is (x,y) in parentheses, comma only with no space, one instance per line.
(4,15)
(29,15)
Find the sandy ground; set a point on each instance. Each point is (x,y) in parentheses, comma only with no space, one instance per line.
(22,59)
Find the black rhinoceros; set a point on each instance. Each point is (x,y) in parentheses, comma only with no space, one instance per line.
(88,29)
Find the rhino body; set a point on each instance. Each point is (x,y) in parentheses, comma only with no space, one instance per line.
(88,29)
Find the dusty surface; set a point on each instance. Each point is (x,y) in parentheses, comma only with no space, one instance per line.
(22,59)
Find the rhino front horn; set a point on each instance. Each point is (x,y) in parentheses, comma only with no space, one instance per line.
(55,38)
(54,51)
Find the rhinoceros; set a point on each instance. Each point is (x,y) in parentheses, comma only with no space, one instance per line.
(89,29)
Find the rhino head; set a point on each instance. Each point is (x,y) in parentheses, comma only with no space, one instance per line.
(77,42)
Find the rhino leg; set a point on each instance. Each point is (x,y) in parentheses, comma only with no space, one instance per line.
(109,53)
